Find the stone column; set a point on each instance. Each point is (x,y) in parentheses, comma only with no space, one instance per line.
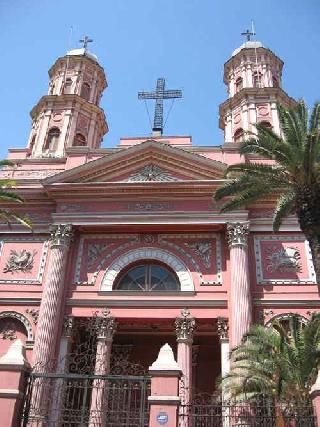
(52,303)
(240,297)
(223,332)
(106,327)
(185,326)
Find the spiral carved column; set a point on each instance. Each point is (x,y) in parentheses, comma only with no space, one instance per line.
(51,303)
(240,297)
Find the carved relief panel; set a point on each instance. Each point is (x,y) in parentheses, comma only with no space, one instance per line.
(22,260)
(283,260)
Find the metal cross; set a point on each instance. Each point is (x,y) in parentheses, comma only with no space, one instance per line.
(248,34)
(159,95)
(85,41)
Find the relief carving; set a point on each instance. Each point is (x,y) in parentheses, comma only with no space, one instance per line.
(203,250)
(95,250)
(9,332)
(283,260)
(150,173)
(20,261)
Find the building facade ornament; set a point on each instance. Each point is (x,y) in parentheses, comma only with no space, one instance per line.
(61,234)
(34,313)
(283,260)
(223,328)
(68,325)
(22,319)
(237,233)
(95,250)
(203,250)
(9,331)
(150,173)
(106,325)
(20,260)
(185,326)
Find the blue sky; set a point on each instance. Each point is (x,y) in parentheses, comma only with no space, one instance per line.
(137,41)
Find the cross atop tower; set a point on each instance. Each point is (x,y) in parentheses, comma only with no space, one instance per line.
(85,41)
(159,95)
(248,34)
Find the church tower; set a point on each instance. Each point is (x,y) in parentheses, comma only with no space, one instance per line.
(253,78)
(69,115)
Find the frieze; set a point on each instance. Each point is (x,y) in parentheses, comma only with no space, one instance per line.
(150,206)
(20,260)
(283,259)
(29,173)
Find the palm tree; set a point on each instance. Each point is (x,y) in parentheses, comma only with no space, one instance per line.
(293,175)
(8,196)
(280,361)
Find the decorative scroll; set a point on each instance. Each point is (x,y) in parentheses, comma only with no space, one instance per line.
(150,173)
(283,259)
(20,261)
(203,250)
(185,325)
(237,233)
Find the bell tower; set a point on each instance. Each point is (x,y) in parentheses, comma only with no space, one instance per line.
(69,115)
(253,78)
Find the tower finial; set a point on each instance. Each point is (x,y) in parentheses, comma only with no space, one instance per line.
(85,42)
(248,34)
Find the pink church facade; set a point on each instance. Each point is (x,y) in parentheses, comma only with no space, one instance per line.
(131,235)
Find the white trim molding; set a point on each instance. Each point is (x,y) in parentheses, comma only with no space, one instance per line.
(148,253)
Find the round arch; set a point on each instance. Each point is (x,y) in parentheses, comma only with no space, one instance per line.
(285,316)
(22,319)
(184,275)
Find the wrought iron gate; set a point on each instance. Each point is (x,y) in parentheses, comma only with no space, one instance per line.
(71,400)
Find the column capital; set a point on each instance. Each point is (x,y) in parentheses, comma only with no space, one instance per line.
(106,326)
(185,326)
(237,233)
(68,324)
(223,328)
(61,234)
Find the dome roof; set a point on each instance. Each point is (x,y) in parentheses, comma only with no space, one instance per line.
(82,52)
(251,44)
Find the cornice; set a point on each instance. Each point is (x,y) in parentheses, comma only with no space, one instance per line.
(146,303)
(287,302)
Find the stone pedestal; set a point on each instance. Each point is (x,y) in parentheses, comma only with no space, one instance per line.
(13,369)
(240,297)
(106,327)
(164,399)
(51,308)
(185,326)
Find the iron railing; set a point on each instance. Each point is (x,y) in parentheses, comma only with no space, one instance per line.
(69,400)
(261,412)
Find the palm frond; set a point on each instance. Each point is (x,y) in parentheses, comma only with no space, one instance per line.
(285,206)
(10,217)
(314,122)
(8,196)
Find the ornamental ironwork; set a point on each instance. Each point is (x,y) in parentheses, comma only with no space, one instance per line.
(237,233)
(20,260)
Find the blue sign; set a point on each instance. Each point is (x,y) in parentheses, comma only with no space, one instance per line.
(162,418)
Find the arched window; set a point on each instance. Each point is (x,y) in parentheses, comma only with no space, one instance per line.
(52,139)
(257,79)
(79,140)
(85,91)
(238,135)
(148,277)
(239,84)
(67,85)
(275,82)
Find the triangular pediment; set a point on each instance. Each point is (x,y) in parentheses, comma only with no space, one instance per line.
(149,161)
